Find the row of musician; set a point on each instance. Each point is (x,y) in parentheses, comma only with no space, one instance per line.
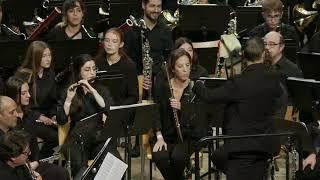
(41,109)
(253,95)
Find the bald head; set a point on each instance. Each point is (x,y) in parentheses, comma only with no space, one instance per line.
(274,44)
(8,113)
(274,36)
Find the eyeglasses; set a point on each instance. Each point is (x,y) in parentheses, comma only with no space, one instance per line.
(275,17)
(271,45)
(26,152)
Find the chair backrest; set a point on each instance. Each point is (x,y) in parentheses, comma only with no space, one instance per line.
(63,131)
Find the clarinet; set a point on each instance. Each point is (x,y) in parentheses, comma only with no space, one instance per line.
(147,61)
(32,175)
(175,112)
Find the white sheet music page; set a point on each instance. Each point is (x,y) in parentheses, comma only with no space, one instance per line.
(112,168)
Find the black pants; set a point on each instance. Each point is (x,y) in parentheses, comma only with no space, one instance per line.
(172,162)
(247,166)
(50,136)
(241,165)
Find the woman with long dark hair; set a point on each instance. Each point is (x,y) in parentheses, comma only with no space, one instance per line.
(18,90)
(84,97)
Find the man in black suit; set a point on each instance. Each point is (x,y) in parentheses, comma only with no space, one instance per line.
(250,105)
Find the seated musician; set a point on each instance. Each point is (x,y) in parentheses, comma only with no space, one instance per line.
(71,26)
(112,58)
(274,44)
(272,11)
(43,91)
(250,100)
(197,70)
(19,91)
(14,152)
(8,33)
(169,154)
(82,98)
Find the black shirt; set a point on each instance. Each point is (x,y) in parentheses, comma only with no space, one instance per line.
(160,39)
(166,123)
(287,68)
(198,71)
(286,30)
(128,91)
(250,102)
(89,107)
(46,94)
(58,34)
(18,173)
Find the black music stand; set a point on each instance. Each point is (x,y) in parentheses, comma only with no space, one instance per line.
(214,113)
(117,125)
(309,63)
(63,51)
(12,56)
(193,115)
(207,139)
(195,17)
(113,81)
(306,95)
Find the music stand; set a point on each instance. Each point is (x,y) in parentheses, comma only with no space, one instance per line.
(193,115)
(309,63)
(113,81)
(12,56)
(214,113)
(306,95)
(63,51)
(117,125)
(195,17)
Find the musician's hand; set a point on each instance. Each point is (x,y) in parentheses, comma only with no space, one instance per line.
(37,175)
(72,91)
(146,83)
(45,120)
(34,165)
(310,160)
(175,103)
(54,120)
(87,85)
(16,29)
(160,145)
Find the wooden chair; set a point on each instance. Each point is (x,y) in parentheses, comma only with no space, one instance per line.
(63,131)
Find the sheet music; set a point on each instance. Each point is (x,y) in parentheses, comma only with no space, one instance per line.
(130,106)
(111,168)
(303,80)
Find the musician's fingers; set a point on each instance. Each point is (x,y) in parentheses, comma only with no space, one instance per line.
(165,146)
(304,165)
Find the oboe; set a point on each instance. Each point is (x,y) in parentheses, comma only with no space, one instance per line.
(175,112)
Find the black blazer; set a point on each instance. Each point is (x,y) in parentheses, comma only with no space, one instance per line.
(250,104)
